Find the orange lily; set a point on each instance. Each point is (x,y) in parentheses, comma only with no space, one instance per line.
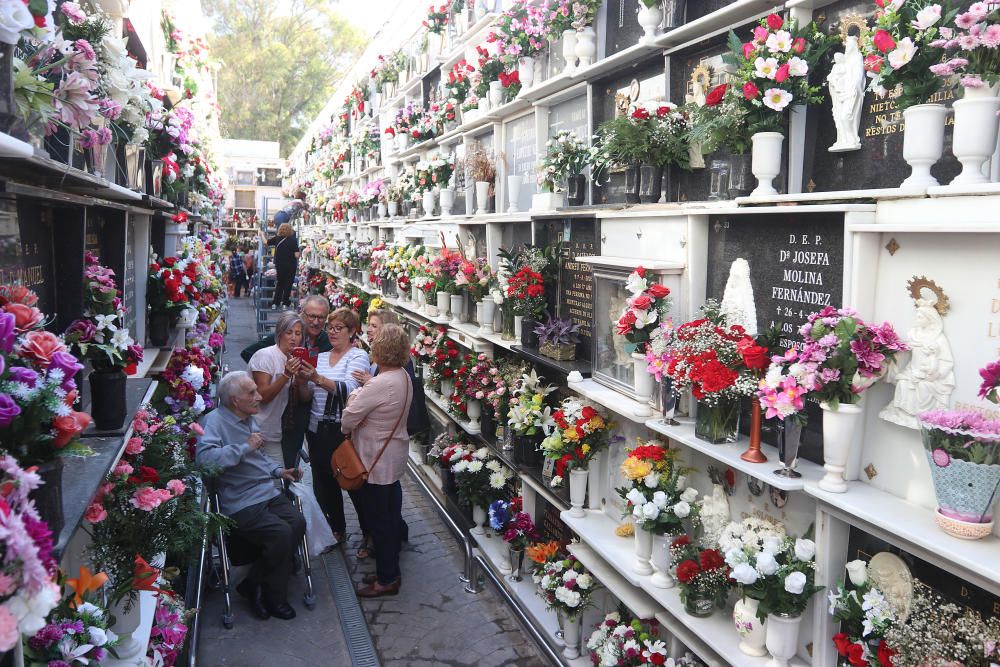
(87,582)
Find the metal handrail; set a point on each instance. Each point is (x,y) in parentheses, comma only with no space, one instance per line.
(470,577)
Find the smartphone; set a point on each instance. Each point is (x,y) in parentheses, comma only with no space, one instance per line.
(303,354)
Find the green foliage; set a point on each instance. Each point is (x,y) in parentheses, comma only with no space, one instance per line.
(280,63)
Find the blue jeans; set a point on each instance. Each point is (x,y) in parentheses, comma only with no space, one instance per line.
(383,503)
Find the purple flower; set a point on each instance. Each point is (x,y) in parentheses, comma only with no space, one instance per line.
(991,380)
(828,375)
(7,333)
(68,364)
(24,375)
(868,357)
(40,534)
(82,331)
(58,663)
(887,337)
(46,637)
(9,410)
(829,340)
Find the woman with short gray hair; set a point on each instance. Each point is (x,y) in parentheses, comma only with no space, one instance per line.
(275,370)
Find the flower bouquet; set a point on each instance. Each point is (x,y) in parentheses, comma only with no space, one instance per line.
(77,630)
(186,388)
(528,417)
(865,616)
(437,19)
(480,478)
(702,576)
(474,385)
(656,495)
(558,338)
(707,357)
(647,305)
(458,402)
(444,365)
(166,639)
(447,449)
(580,433)
(475,277)
(566,156)
(566,587)
(631,644)
(963,451)
(459,81)
(526,290)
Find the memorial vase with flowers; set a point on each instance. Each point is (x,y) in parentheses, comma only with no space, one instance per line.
(865,616)
(567,589)
(634,643)
(702,576)
(528,416)
(645,309)
(772,70)
(580,433)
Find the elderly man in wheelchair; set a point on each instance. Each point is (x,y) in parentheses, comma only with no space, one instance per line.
(248,494)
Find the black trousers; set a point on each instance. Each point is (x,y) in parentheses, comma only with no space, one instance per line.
(241,282)
(276,527)
(283,285)
(384,504)
(328,492)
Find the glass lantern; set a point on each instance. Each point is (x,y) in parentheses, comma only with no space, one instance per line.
(612,364)
(718,186)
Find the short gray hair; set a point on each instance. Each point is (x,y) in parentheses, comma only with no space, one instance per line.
(317,299)
(229,384)
(286,322)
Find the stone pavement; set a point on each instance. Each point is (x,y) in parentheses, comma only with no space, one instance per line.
(433,622)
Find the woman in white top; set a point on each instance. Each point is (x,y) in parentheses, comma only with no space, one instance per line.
(274,370)
(333,378)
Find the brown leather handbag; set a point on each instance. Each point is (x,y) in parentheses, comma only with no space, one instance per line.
(348,469)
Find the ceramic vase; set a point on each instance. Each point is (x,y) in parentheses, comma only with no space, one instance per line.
(766,162)
(475,410)
(577,492)
(642,383)
(129,648)
(750,628)
(457,308)
(661,561)
(643,551)
(496,94)
(383,210)
(478,518)
(429,204)
(482,197)
(840,428)
(975,135)
(487,316)
(393,209)
(571,638)
(526,72)
(447,202)
(586,47)
(782,641)
(569,51)
(513,192)
(443,304)
(649,19)
(402,141)
(923,143)
(447,389)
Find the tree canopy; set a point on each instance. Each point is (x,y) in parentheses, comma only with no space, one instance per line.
(280,60)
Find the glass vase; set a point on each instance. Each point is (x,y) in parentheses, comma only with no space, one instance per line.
(699,604)
(719,421)
(508,321)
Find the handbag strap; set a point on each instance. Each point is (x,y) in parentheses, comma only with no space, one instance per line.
(392,434)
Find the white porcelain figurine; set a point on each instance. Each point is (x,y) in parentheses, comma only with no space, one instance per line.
(847,93)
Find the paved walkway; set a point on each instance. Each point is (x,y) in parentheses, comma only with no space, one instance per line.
(433,622)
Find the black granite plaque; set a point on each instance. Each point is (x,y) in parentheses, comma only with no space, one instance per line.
(622,28)
(879,162)
(863,546)
(26,254)
(429,86)
(574,294)
(696,9)
(128,282)
(569,116)
(105,238)
(549,524)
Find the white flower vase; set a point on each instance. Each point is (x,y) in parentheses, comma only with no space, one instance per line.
(482,105)
(496,94)
(569,51)
(482,197)
(840,428)
(393,209)
(571,638)
(643,551)
(923,143)
(365,276)
(782,638)
(752,630)
(443,304)
(475,410)
(526,72)
(478,518)
(457,308)
(402,141)
(649,19)
(447,389)
(586,47)
(577,492)
(416,295)
(479,315)
(383,210)
(129,648)
(975,135)
(429,204)
(504,564)
(661,561)
(487,316)
(513,192)
(518,326)
(643,384)
(447,202)
(765,161)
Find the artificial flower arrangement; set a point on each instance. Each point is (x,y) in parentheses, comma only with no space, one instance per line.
(78,629)
(571,15)
(480,477)
(657,495)
(37,386)
(101,335)
(459,81)
(566,586)
(28,591)
(666,128)
(580,434)
(645,308)
(475,277)
(541,553)
(528,414)
(634,643)
(973,44)
(723,122)
(702,576)
(437,19)
(513,525)
(144,507)
(169,287)
(772,69)
(865,616)
(526,291)
(840,358)
(186,387)
(458,402)
(425,343)
(519,32)
(659,350)
(778,571)
(407,118)
(509,371)
(446,269)
(447,449)
(906,49)
(477,379)
(565,155)
(445,363)
(167,637)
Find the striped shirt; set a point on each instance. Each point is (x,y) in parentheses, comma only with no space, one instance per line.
(353,360)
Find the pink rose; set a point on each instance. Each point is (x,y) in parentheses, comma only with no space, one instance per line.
(176,487)
(134,446)
(95,513)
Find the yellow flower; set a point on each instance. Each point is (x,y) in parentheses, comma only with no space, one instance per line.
(634,468)
(585,448)
(570,435)
(596,423)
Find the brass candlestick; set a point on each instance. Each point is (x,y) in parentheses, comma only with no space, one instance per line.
(753,453)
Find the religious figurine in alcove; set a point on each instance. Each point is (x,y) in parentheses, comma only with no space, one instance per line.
(701,78)
(927,382)
(714,514)
(846,82)
(738,304)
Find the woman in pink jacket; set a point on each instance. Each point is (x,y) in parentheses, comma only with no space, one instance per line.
(375,417)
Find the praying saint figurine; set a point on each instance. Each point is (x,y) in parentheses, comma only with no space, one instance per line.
(738,303)
(847,94)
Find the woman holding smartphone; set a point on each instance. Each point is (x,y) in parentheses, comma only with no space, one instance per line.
(274,369)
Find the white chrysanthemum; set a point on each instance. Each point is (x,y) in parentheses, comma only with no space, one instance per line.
(497,480)
(475,466)
(482,453)
(494,466)
(194,376)
(460,466)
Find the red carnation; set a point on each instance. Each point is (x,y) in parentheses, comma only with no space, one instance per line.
(687,571)
(774,22)
(588,412)
(711,560)
(681,541)
(715,96)
(885,654)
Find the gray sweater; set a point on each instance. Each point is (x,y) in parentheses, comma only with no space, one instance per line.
(248,474)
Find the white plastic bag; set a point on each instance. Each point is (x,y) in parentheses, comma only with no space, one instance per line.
(319,537)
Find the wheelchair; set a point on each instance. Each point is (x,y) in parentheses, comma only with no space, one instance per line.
(231,550)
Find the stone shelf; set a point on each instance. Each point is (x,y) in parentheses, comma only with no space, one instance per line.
(637,601)
(563,367)
(618,403)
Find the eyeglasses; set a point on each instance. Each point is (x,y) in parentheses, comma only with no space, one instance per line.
(313,318)
(337,328)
